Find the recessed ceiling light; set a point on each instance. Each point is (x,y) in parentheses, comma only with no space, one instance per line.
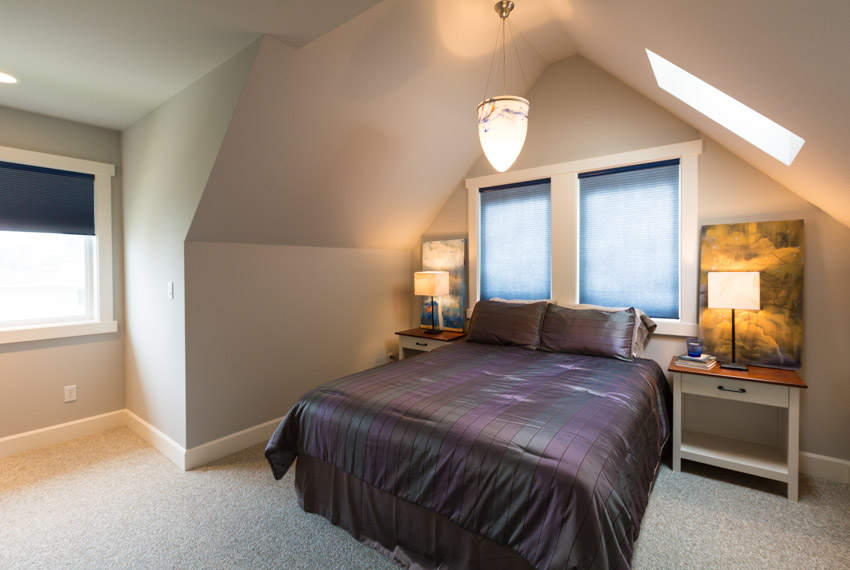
(6,78)
(772,138)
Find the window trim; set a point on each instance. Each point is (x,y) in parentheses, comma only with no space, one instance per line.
(564,180)
(103,321)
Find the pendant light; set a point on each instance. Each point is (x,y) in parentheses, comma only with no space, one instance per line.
(502,120)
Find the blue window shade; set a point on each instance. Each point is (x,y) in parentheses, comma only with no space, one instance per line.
(629,238)
(35,199)
(516,241)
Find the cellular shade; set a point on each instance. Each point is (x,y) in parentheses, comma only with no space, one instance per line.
(516,249)
(629,238)
(45,200)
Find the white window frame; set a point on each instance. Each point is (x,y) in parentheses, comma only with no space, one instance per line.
(103,321)
(565,221)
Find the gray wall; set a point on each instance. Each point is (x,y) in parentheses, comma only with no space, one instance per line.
(167,158)
(266,323)
(578,110)
(33,374)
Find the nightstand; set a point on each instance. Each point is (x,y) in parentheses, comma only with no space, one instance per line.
(416,340)
(756,386)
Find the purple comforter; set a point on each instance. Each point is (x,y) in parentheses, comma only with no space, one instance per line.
(552,455)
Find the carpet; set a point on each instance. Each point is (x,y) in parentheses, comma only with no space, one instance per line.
(111,501)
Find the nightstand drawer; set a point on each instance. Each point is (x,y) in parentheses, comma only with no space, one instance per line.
(731,389)
(423,344)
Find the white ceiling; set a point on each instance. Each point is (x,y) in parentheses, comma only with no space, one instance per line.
(108,63)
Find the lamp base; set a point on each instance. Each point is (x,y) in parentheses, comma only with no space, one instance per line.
(432,331)
(733,366)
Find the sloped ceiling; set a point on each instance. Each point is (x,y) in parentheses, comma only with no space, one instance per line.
(787,59)
(361,98)
(357,139)
(109,63)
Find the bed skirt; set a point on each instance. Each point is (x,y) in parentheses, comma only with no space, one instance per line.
(403,532)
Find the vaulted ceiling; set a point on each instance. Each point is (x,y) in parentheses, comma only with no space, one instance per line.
(363,91)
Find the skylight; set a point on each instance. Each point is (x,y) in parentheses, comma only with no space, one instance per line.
(775,140)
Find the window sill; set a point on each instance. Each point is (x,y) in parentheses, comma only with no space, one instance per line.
(676,328)
(47,332)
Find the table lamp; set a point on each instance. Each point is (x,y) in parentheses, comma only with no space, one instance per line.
(733,290)
(431,283)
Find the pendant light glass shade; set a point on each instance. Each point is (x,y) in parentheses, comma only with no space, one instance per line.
(502,120)
(502,126)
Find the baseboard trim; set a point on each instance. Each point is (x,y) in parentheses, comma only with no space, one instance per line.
(21,442)
(224,446)
(184,459)
(821,466)
(172,450)
(825,467)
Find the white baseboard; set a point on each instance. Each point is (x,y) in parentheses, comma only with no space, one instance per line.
(21,442)
(172,450)
(184,459)
(224,446)
(825,467)
(812,464)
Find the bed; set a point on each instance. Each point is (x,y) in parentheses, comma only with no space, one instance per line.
(533,444)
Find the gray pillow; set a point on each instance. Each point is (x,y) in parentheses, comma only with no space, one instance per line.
(509,324)
(644,329)
(589,331)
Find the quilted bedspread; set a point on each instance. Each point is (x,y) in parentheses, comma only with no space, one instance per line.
(552,455)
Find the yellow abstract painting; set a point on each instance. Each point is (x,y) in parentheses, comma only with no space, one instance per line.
(772,335)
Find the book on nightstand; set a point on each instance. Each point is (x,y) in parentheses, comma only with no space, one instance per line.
(701,362)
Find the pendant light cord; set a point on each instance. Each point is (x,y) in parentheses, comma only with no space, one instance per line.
(492,60)
(504,74)
(519,61)
(500,38)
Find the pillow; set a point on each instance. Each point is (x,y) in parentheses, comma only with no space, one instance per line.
(589,331)
(646,326)
(509,324)
(523,301)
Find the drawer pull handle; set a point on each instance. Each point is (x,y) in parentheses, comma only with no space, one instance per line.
(421,344)
(739,391)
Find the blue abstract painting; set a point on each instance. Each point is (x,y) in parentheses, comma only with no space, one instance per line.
(446,255)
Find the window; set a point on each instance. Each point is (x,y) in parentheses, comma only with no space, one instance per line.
(629,238)
(515,241)
(752,126)
(55,246)
(609,215)
(44,278)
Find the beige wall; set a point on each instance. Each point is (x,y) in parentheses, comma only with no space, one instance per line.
(265,323)
(167,158)
(578,110)
(33,374)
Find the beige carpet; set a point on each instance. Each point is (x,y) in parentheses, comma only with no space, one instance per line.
(111,501)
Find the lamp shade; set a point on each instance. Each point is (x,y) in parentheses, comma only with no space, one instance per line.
(432,283)
(502,126)
(733,290)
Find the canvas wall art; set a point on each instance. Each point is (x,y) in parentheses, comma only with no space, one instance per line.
(446,255)
(773,335)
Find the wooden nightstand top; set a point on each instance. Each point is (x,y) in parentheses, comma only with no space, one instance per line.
(445,336)
(752,374)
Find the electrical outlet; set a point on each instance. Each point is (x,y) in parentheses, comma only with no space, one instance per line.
(71,393)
